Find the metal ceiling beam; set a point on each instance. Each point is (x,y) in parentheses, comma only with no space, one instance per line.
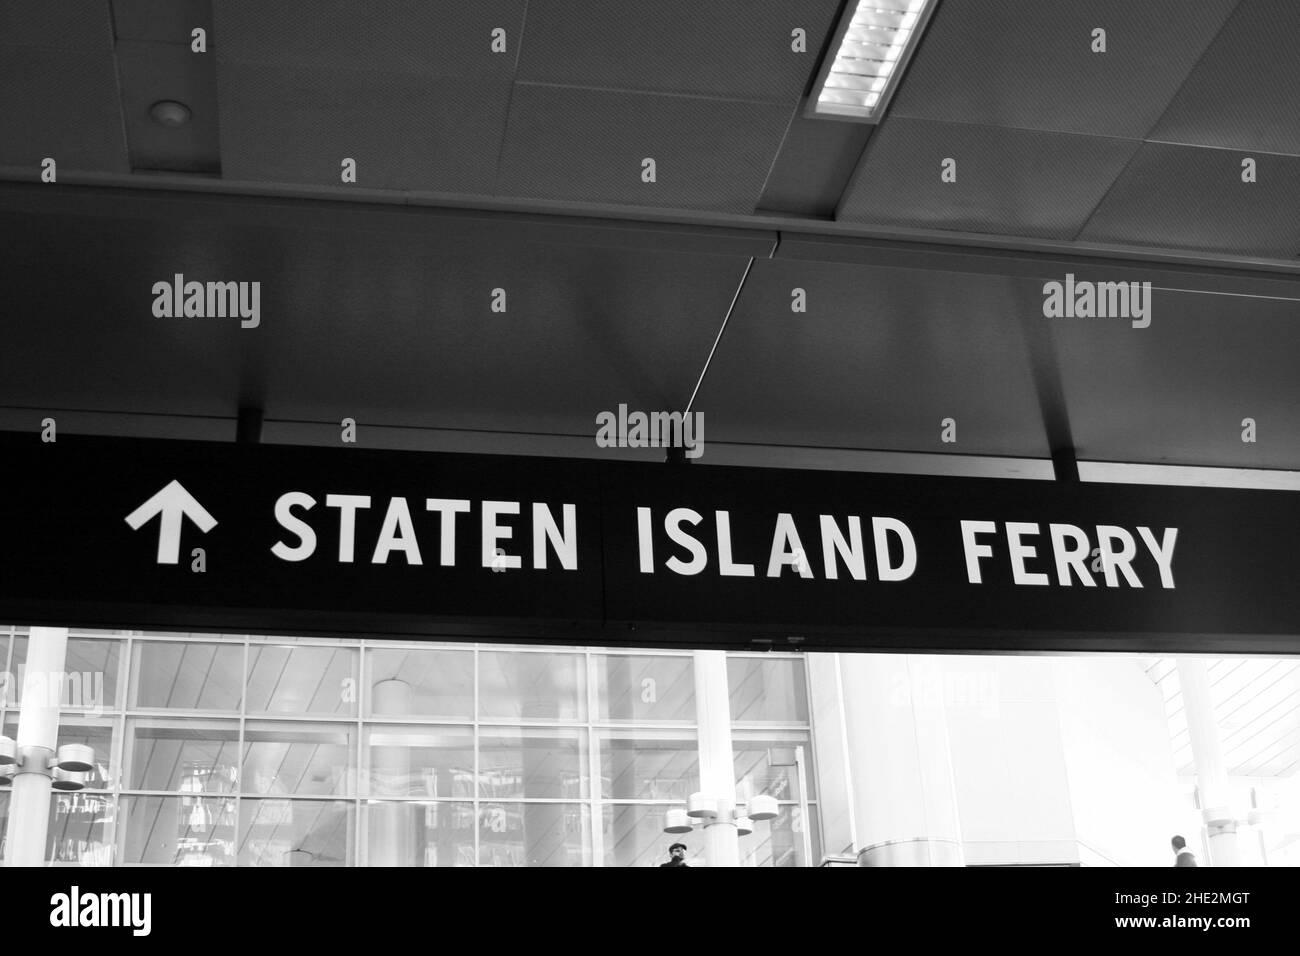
(279,212)
(1204,275)
(829,240)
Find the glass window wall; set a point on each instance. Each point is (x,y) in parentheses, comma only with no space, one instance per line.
(233,750)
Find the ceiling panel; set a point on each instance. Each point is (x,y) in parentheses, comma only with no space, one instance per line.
(1159,668)
(62,103)
(1179,196)
(95,342)
(1018,182)
(585,329)
(739,49)
(1260,726)
(66,25)
(1245,93)
(424,37)
(1257,707)
(411,90)
(588,146)
(1248,695)
(1177,391)
(295,124)
(880,358)
(162,21)
(361,322)
(58,87)
(1029,64)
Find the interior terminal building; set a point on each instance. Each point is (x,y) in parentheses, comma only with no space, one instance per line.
(225,750)
(984,558)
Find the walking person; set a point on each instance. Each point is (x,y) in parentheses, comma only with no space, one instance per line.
(1182,855)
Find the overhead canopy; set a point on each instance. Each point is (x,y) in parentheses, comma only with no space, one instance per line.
(521,171)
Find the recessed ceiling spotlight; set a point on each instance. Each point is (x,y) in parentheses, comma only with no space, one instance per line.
(871,46)
(169,113)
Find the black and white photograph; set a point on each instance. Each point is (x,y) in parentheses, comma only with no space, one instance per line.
(746,434)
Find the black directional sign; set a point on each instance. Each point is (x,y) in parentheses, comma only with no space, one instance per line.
(277,539)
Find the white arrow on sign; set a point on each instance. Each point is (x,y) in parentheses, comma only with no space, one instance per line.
(174,503)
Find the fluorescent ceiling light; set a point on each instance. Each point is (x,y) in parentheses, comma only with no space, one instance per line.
(872,45)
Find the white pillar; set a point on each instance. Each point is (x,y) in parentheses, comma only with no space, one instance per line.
(717,767)
(905,802)
(38,738)
(1207,754)
(391,831)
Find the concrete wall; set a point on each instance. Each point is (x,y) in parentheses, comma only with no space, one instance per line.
(1012,786)
(1055,760)
(1115,738)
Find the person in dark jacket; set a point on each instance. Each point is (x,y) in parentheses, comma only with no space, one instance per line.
(1182,855)
(678,854)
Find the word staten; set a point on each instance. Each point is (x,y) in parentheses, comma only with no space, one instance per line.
(1102,300)
(397,534)
(208,300)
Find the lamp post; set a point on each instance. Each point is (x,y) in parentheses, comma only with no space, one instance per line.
(34,763)
(1207,754)
(714,812)
(720,815)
